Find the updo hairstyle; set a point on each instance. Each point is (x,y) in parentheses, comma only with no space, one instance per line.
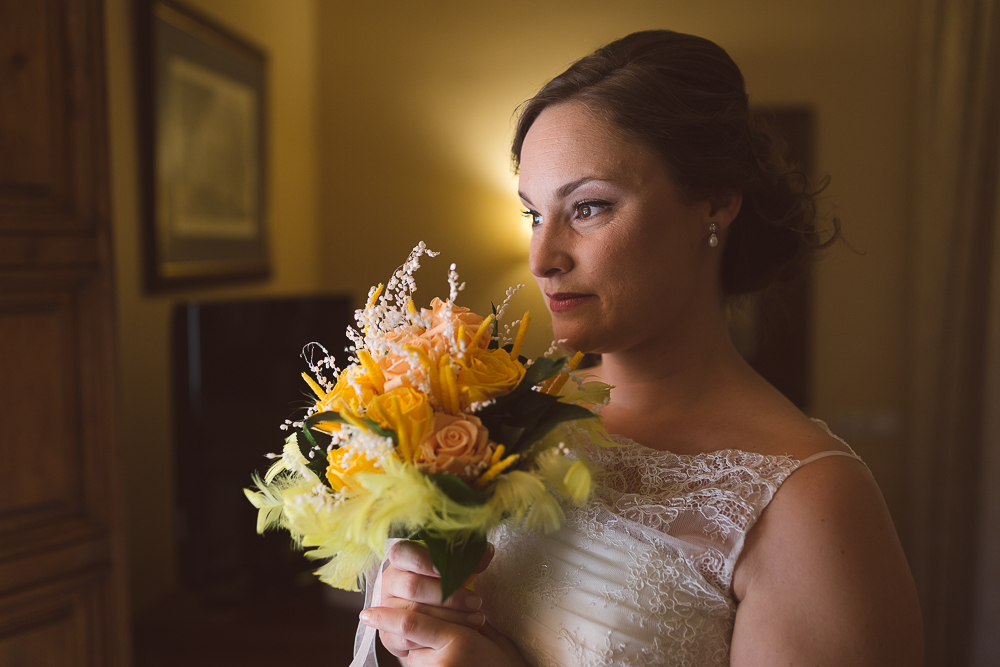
(684,97)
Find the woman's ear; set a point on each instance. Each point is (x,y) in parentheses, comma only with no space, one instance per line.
(725,206)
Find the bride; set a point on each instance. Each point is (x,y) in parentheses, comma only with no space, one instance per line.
(729,528)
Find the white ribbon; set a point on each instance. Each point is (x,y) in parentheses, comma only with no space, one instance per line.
(366,648)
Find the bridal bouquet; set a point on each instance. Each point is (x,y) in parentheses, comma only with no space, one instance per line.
(437,430)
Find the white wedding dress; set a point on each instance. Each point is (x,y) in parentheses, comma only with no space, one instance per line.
(642,575)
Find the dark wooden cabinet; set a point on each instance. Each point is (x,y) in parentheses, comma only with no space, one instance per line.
(61,570)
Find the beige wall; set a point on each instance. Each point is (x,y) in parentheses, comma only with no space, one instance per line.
(287,31)
(416,110)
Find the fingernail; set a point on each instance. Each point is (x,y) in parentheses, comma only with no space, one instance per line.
(473,602)
(477,619)
(365,616)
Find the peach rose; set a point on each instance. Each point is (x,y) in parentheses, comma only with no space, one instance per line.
(396,366)
(455,444)
(435,317)
(430,341)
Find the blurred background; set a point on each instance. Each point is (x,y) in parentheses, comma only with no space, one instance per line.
(389,123)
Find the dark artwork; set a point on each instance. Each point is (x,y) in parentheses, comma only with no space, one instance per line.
(202,116)
(237,378)
(244,598)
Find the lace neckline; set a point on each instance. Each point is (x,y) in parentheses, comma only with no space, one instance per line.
(722,453)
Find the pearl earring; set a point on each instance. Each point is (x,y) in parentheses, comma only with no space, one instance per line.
(713,240)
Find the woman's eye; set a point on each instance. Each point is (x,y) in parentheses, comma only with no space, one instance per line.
(536,218)
(585,210)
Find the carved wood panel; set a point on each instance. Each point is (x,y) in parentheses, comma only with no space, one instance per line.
(53,625)
(50,353)
(61,570)
(43,443)
(49,77)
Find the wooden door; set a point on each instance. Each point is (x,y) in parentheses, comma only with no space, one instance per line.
(61,583)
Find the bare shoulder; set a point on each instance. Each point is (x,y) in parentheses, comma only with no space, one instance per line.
(822,579)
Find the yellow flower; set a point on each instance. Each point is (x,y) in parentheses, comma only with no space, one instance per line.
(344,392)
(412,421)
(340,469)
(486,374)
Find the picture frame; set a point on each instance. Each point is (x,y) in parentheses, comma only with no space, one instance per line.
(203,131)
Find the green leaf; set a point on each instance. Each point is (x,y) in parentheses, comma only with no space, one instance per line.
(509,347)
(398,531)
(456,563)
(557,414)
(456,489)
(541,370)
(496,329)
(523,417)
(317,462)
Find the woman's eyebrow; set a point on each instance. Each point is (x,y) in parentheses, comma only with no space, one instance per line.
(565,190)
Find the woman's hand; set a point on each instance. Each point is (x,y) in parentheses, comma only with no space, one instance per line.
(411,587)
(439,643)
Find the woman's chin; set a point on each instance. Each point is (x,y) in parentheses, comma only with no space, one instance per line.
(573,339)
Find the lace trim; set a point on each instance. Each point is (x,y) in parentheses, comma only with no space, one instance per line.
(642,576)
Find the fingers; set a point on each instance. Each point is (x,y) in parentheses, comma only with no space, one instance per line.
(396,645)
(472,619)
(420,629)
(487,557)
(506,645)
(407,578)
(400,646)
(425,590)
(411,557)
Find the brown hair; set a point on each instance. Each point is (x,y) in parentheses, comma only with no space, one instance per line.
(685,98)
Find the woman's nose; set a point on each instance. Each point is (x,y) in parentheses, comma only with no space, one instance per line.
(549,255)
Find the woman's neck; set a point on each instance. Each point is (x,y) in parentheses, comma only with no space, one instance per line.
(676,384)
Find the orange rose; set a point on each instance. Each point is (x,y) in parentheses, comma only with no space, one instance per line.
(455,444)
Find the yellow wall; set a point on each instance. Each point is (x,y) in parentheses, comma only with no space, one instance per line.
(390,123)
(416,102)
(287,31)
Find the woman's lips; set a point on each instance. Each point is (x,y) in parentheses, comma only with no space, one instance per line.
(563,301)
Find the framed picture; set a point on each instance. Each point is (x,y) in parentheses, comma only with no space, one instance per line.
(202,120)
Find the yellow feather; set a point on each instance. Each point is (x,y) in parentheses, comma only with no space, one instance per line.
(481,331)
(404,438)
(314,386)
(519,338)
(496,469)
(431,371)
(375,295)
(373,370)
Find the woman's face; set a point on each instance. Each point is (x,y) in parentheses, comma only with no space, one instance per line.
(618,252)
